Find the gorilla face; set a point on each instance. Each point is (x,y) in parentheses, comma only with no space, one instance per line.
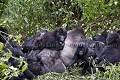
(113,39)
(61,34)
(101,37)
(82,49)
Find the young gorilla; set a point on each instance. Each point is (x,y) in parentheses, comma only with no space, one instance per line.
(85,55)
(29,43)
(51,40)
(111,52)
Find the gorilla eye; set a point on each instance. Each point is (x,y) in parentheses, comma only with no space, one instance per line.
(61,33)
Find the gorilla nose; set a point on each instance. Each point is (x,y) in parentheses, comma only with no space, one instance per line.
(62,39)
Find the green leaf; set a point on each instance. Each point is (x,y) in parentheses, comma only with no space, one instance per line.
(3,66)
(25,66)
(1,46)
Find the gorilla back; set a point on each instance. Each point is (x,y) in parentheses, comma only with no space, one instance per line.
(71,43)
(51,40)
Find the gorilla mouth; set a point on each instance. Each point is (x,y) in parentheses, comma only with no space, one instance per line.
(61,43)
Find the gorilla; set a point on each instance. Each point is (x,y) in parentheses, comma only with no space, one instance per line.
(47,60)
(70,48)
(101,37)
(113,40)
(85,56)
(97,46)
(37,68)
(14,48)
(29,43)
(10,44)
(51,60)
(111,52)
(27,74)
(17,52)
(53,40)
(35,64)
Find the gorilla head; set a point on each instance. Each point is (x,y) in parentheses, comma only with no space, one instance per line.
(101,37)
(61,34)
(113,39)
(82,49)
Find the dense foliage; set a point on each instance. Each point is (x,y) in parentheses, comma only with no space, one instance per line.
(30,16)
(7,71)
(26,17)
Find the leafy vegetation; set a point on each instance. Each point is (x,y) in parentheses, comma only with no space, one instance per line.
(26,17)
(7,71)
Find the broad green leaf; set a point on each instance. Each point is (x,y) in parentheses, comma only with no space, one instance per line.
(1,46)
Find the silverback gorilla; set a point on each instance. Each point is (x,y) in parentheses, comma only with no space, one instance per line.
(70,48)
